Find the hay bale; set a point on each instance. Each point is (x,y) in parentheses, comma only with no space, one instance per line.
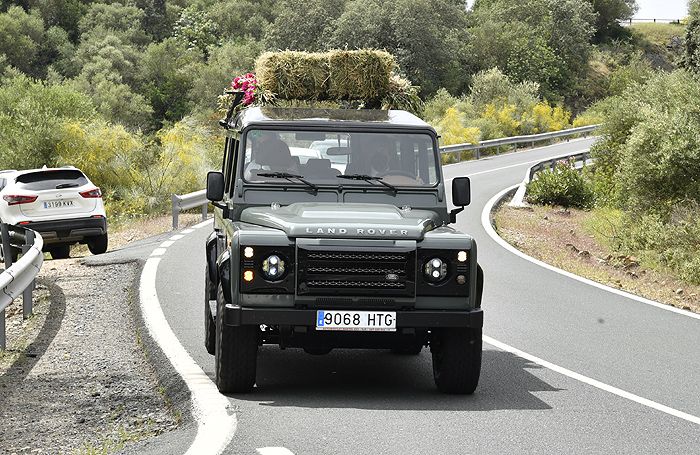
(363,74)
(294,74)
(335,75)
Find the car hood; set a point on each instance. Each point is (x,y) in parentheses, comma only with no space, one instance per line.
(319,219)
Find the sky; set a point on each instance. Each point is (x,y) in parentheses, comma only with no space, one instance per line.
(662,9)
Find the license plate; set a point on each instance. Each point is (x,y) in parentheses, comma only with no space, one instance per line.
(369,321)
(57,204)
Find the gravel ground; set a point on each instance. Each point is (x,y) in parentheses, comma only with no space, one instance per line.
(75,378)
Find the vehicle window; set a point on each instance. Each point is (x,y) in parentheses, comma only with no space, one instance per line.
(2,184)
(50,179)
(406,159)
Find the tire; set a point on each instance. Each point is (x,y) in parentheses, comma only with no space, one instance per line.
(414,349)
(456,359)
(60,251)
(98,244)
(236,353)
(14,254)
(209,323)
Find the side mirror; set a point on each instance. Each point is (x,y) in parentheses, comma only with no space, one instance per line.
(461,196)
(215,186)
(461,191)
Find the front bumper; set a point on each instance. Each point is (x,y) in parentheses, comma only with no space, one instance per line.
(69,230)
(235,315)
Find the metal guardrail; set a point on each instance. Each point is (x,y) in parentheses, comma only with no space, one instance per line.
(189,201)
(579,161)
(18,277)
(516,140)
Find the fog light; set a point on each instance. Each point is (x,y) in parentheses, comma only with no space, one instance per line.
(462,256)
(435,270)
(248,252)
(461,279)
(248,275)
(273,268)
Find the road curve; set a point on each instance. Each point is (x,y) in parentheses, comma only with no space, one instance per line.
(351,402)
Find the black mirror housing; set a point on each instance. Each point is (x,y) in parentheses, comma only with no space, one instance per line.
(215,186)
(461,196)
(461,191)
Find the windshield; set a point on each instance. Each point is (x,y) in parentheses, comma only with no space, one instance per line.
(406,159)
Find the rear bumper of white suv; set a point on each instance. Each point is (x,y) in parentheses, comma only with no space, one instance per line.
(70,230)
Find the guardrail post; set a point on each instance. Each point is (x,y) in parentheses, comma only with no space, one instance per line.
(27,294)
(6,247)
(205,207)
(176,211)
(2,330)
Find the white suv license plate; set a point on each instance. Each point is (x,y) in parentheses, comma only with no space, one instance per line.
(366,321)
(57,204)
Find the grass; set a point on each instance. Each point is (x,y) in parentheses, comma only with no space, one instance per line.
(657,33)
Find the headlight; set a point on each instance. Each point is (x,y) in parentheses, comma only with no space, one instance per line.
(435,270)
(273,268)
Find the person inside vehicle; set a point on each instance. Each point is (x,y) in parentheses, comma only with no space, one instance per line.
(269,153)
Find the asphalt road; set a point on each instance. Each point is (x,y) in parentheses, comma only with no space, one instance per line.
(351,402)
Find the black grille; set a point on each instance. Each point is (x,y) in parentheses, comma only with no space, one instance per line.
(356,273)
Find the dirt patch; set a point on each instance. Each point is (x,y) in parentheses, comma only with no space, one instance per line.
(559,237)
(75,378)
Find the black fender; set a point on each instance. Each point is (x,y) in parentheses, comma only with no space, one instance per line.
(211,255)
(224,268)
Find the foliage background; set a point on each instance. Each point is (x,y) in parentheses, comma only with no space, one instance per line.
(127,89)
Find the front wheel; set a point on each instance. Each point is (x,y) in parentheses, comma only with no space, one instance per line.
(98,244)
(236,352)
(456,359)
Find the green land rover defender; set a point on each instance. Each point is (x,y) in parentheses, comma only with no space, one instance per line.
(332,231)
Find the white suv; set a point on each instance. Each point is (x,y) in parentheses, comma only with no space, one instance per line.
(62,204)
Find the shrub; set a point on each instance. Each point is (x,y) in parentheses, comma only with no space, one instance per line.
(564,186)
(453,131)
(671,241)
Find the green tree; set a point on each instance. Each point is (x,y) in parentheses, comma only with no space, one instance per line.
(21,36)
(197,30)
(427,37)
(225,63)
(303,24)
(31,115)
(165,74)
(609,14)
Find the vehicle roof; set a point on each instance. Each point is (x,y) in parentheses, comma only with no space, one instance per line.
(322,117)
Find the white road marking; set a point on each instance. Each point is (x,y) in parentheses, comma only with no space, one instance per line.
(597,384)
(203,223)
(176,237)
(274,451)
(216,421)
(167,243)
(158,252)
(486,223)
(188,231)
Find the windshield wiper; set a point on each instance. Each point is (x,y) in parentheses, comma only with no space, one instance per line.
(288,176)
(60,186)
(369,179)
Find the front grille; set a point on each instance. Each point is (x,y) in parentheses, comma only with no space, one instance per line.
(356,273)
